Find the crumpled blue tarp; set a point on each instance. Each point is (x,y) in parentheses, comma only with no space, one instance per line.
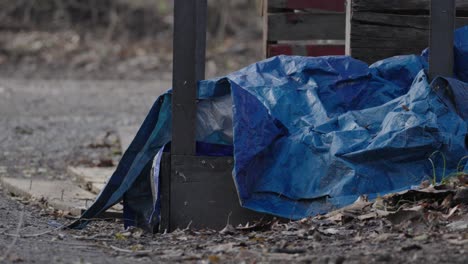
(309,135)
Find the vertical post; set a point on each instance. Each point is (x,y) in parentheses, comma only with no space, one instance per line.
(441,58)
(349,14)
(201,7)
(264,7)
(188,67)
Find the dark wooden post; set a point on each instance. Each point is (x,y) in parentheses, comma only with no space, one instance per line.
(441,39)
(200,42)
(189,67)
(195,191)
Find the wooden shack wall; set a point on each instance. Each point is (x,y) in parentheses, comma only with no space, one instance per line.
(304,27)
(380,29)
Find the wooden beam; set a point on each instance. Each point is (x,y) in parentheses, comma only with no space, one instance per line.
(397,20)
(265,28)
(348,28)
(410,6)
(306,26)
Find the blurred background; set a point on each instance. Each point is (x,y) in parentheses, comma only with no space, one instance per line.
(74,74)
(118,39)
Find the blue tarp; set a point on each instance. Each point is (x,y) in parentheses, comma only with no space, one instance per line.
(309,135)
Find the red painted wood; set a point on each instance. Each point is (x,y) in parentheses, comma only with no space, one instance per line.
(324,50)
(328,5)
(275,50)
(309,50)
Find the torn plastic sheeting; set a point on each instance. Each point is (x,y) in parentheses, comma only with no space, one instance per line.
(309,134)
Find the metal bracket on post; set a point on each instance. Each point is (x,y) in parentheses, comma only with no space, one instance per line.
(441,57)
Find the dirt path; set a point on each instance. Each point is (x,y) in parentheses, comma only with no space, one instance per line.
(45,125)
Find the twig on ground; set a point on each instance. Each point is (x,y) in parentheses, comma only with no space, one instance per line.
(74,244)
(92,238)
(131,251)
(17,235)
(229,218)
(188,226)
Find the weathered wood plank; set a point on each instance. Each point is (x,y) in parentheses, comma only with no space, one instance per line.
(397,20)
(305,26)
(327,5)
(409,21)
(375,36)
(410,6)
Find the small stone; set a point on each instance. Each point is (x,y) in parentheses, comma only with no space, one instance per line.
(422,237)
(23,130)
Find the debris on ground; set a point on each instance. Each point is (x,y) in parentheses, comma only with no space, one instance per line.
(421,213)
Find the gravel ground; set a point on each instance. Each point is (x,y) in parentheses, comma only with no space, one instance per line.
(46,125)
